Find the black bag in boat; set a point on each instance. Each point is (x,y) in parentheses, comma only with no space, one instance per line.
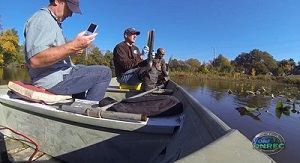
(148,76)
(150,105)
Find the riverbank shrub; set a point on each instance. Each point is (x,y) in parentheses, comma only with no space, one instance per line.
(290,79)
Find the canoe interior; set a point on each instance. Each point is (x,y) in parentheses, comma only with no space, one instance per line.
(190,136)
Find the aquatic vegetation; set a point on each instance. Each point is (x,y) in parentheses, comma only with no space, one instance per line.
(286,110)
(249,111)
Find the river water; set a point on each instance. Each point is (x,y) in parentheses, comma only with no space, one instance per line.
(215,95)
(227,99)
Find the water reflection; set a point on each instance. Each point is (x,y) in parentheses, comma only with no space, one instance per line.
(252,100)
(254,94)
(253,114)
(8,74)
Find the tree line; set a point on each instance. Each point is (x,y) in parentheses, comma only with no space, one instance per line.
(256,62)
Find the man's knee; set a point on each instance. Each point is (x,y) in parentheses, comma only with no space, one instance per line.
(105,72)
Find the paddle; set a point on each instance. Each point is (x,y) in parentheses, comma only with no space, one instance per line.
(101,112)
(150,44)
(98,113)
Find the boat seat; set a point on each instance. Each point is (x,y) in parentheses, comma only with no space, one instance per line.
(131,87)
(31,93)
(115,86)
(122,89)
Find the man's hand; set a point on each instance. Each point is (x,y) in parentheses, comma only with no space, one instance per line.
(141,57)
(167,78)
(79,52)
(82,41)
(145,50)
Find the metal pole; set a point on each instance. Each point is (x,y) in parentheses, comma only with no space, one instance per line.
(214,56)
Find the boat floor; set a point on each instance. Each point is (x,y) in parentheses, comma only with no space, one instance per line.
(17,151)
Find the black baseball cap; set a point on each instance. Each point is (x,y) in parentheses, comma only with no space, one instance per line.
(74,6)
(132,31)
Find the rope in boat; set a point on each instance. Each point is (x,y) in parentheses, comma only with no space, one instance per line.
(30,140)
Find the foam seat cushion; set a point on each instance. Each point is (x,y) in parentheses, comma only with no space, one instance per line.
(35,94)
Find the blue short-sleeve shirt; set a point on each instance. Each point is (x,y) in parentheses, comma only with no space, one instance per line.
(43,31)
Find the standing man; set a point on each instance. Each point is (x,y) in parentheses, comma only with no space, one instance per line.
(130,67)
(48,55)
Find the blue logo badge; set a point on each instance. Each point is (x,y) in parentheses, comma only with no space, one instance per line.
(268,142)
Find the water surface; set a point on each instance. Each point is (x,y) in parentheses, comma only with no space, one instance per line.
(215,96)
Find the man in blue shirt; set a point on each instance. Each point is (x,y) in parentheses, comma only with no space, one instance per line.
(48,55)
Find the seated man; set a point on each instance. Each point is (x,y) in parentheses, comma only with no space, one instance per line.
(48,55)
(160,65)
(130,67)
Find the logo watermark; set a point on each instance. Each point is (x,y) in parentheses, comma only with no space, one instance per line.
(268,142)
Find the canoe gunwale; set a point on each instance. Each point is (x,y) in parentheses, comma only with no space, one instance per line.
(151,126)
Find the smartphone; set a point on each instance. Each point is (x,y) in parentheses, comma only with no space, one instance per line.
(91,29)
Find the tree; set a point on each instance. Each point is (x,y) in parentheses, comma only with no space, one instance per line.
(9,46)
(278,72)
(108,57)
(95,57)
(287,65)
(174,65)
(242,63)
(222,64)
(87,58)
(204,68)
(261,61)
(194,63)
(179,65)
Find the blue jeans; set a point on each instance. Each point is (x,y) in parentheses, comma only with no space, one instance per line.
(93,80)
(130,77)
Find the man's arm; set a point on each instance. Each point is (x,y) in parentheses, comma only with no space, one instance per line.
(52,55)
